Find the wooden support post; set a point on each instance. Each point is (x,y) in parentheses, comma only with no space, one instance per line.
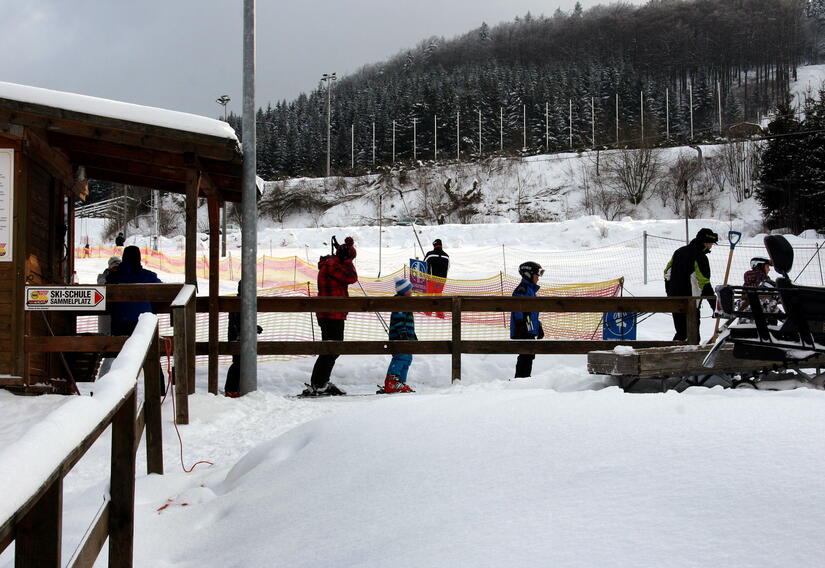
(122,485)
(456,340)
(39,533)
(190,345)
(192,191)
(214,292)
(151,408)
(692,322)
(181,367)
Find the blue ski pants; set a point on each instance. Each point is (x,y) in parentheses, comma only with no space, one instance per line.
(399,366)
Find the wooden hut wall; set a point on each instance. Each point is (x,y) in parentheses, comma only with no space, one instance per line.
(11,355)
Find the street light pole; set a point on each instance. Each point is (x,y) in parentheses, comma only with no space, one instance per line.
(223,100)
(328,78)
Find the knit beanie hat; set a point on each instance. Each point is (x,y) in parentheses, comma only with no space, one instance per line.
(114,261)
(402,285)
(347,250)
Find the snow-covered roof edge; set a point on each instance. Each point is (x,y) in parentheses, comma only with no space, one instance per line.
(118,110)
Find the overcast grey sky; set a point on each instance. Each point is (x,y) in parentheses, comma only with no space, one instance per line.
(183,54)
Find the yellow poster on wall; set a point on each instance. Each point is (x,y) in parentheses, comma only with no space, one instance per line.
(6,203)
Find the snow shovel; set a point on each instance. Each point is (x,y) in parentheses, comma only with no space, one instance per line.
(733,239)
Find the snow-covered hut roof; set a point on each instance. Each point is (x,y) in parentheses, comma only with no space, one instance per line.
(126,143)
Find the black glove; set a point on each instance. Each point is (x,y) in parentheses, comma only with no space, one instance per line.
(260,330)
(540,334)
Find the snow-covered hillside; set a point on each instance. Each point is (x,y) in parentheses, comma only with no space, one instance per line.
(552,187)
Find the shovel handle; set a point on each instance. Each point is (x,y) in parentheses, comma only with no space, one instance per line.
(733,238)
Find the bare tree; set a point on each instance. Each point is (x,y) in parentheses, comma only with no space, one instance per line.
(633,173)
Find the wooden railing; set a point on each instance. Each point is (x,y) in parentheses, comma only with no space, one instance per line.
(457,305)
(177,299)
(36,525)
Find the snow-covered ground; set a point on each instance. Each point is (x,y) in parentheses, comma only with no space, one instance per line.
(562,469)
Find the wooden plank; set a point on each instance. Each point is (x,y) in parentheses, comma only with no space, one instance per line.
(38,535)
(152,395)
(74,344)
(11,381)
(191,229)
(544,347)
(180,346)
(419,304)
(191,360)
(214,293)
(122,485)
(610,363)
(96,538)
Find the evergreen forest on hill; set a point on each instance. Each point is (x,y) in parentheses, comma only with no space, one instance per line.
(523,80)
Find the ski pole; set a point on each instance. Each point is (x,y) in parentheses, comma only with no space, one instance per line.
(733,239)
(380,318)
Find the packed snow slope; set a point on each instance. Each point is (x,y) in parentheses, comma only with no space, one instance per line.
(513,474)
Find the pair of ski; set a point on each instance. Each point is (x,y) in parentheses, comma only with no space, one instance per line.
(309,392)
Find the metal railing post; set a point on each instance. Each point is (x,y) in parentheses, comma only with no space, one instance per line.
(456,340)
(644,254)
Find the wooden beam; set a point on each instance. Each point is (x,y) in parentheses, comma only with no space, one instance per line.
(558,304)
(52,159)
(73,344)
(214,291)
(544,347)
(38,537)
(117,130)
(456,342)
(122,485)
(192,191)
(152,413)
(87,555)
(180,346)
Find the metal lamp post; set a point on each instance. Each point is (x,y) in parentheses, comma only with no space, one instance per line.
(223,100)
(328,78)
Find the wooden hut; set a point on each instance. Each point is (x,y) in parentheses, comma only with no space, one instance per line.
(51,144)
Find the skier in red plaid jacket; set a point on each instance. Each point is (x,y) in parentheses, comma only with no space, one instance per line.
(336,273)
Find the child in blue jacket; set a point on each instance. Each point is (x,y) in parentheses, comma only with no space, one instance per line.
(526,325)
(402,327)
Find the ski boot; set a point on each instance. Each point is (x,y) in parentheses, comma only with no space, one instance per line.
(393,385)
(329,389)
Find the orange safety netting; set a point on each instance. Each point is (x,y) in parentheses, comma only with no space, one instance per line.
(295,277)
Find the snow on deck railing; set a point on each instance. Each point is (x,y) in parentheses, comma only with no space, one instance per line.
(28,463)
(187,292)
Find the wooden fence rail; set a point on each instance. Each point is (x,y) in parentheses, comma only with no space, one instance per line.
(456,305)
(36,527)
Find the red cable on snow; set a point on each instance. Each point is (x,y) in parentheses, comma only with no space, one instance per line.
(168,344)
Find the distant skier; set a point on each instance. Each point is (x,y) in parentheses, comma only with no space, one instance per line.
(232,387)
(688,274)
(336,272)
(526,325)
(402,326)
(120,240)
(438,264)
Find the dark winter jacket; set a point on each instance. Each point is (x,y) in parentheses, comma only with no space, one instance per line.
(119,241)
(438,262)
(525,325)
(688,271)
(129,312)
(402,326)
(334,277)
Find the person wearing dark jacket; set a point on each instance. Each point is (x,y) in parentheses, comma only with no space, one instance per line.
(125,314)
(438,264)
(232,387)
(402,327)
(120,240)
(335,274)
(526,325)
(688,274)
